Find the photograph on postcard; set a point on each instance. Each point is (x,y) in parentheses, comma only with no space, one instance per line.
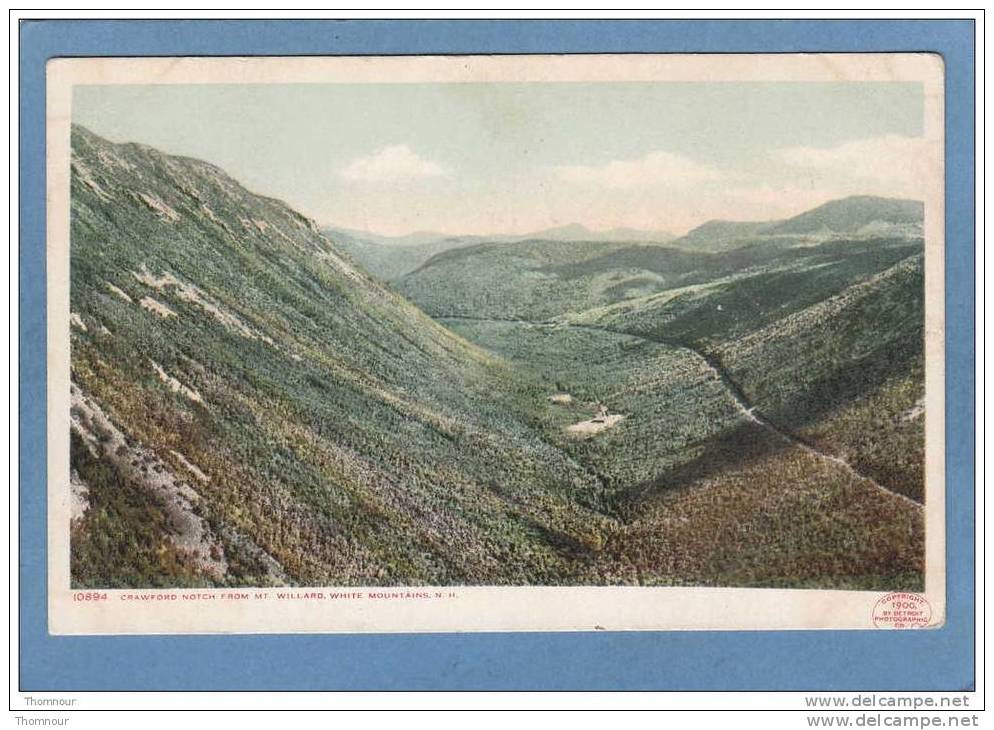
(495,343)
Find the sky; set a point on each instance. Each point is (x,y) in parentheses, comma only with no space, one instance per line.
(517,157)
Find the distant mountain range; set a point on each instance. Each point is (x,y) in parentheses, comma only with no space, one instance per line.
(579,232)
(390,257)
(858,215)
(568,232)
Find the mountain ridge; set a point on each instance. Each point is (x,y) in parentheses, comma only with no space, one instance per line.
(390,257)
(842,216)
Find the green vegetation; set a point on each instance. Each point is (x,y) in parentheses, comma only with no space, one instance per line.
(123,539)
(831,351)
(255,409)
(703,495)
(542,279)
(344,434)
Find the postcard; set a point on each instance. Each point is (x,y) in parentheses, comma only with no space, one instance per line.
(495,343)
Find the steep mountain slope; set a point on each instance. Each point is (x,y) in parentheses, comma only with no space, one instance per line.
(847,374)
(251,408)
(830,347)
(704,489)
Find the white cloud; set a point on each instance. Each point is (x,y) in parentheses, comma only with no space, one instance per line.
(892,161)
(389,164)
(655,168)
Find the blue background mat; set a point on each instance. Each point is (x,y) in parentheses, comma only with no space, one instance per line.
(941,659)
